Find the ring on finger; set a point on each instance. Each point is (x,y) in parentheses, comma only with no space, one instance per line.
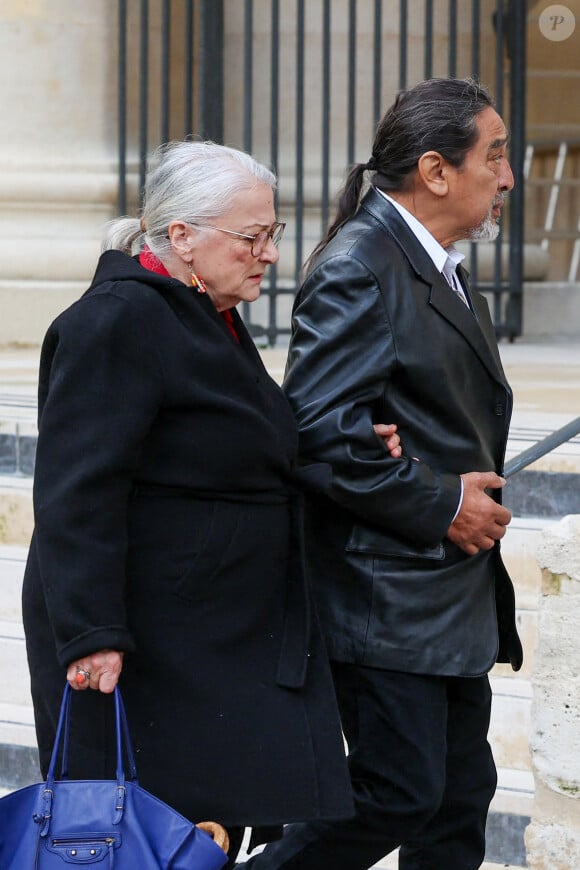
(82,676)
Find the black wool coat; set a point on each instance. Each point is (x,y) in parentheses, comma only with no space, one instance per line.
(379,336)
(167,525)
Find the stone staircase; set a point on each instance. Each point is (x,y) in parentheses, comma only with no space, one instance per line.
(512,805)
(511,808)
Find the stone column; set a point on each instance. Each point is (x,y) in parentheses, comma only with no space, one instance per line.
(58,173)
(553,837)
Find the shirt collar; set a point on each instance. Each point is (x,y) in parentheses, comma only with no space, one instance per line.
(436,252)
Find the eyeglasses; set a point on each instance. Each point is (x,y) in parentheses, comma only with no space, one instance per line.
(259,241)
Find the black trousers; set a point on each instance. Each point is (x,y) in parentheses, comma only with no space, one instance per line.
(422,773)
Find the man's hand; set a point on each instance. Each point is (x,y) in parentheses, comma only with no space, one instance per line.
(387,432)
(480,521)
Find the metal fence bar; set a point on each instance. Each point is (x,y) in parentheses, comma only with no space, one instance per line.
(498,17)
(428,64)
(248,73)
(299,208)
(188,70)
(211,78)
(122,106)
(351,107)
(165,77)
(475,65)
(403,28)
(143,92)
(325,118)
(475,37)
(274,147)
(499,83)
(377,61)
(453,38)
(248,98)
(550,442)
(514,306)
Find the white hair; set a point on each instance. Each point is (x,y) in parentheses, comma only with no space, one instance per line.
(189,181)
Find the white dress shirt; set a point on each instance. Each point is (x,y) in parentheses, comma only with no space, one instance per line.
(445,260)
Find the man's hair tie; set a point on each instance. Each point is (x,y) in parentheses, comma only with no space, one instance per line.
(372,164)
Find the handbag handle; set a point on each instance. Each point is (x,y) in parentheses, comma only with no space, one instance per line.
(43,815)
(122,739)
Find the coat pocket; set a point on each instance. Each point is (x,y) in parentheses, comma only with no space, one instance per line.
(376,542)
(206,575)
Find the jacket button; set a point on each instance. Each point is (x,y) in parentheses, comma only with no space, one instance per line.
(498,410)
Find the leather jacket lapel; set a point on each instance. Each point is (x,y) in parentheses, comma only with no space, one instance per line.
(481,310)
(476,325)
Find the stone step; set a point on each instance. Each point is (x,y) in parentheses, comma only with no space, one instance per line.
(17,724)
(15,700)
(16,514)
(392,863)
(510,722)
(14,669)
(12,564)
(16,719)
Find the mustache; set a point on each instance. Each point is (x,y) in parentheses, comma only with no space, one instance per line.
(499,200)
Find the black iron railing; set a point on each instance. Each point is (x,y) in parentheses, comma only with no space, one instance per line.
(302,86)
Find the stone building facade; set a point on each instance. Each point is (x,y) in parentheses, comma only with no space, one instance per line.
(59,148)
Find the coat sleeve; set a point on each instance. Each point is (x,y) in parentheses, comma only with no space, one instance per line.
(341,359)
(100,388)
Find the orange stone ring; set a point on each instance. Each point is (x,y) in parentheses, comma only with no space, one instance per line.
(82,676)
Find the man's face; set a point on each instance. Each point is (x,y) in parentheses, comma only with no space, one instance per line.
(480,183)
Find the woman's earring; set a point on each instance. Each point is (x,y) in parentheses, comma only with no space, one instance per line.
(196,282)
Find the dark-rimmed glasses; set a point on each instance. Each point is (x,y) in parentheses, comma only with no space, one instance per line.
(259,241)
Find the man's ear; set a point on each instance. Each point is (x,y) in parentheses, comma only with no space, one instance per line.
(433,171)
(180,236)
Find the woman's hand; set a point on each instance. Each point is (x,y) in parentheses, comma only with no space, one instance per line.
(387,432)
(101,671)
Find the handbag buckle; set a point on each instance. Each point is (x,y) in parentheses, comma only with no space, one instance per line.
(121,793)
(44,816)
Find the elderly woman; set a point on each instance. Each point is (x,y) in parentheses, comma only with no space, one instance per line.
(167,546)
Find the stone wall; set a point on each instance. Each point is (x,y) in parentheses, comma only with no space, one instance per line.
(553,837)
(58,167)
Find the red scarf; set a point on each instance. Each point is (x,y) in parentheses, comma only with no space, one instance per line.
(148,260)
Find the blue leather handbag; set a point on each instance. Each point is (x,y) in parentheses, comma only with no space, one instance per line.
(100,824)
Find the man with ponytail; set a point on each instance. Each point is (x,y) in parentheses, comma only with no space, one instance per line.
(415,603)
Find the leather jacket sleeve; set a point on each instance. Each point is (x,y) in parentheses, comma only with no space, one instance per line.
(341,360)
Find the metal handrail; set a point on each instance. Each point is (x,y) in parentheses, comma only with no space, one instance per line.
(565,433)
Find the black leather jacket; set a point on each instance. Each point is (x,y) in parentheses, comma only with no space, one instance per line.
(378,336)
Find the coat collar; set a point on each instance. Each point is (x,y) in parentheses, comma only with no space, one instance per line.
(475,326)
(184,301)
